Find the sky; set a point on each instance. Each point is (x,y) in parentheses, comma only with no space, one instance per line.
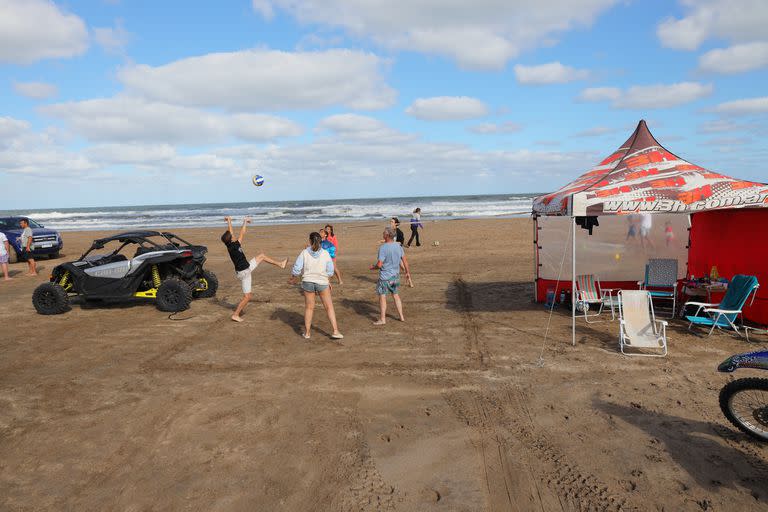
(127,102)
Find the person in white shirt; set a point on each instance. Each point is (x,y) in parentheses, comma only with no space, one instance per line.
(5,250)
(315,267)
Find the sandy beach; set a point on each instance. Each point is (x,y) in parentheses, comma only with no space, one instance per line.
(465,407)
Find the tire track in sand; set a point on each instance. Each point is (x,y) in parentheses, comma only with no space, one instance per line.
(474,347)
(523,470)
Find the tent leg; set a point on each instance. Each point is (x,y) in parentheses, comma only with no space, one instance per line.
(573,281)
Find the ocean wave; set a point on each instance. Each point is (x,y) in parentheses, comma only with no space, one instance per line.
(288,212)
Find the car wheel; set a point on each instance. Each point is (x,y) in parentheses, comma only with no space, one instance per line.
(13,257)
(50,299)
(53,256)
(212,283)
(173,295)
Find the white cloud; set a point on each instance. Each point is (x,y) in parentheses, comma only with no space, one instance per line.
(551,73)
(35,90)
(10,127)
(723,125)
(592,94)
(447,108)
(267,80)
(126,119)
(747,106)
(596,131)
(116,154)
(32,30)
(483,34)
(662,95)
(112,39)
(735,59)
(491,128)
(264,8)
(643,97)
(733,20)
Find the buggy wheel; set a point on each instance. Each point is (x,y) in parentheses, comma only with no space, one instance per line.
(50,299)
(173,295)
(745,403)
(211,283)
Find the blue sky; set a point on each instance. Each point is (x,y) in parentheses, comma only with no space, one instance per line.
(120,102)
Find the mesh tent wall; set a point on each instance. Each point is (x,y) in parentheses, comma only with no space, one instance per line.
(640,181)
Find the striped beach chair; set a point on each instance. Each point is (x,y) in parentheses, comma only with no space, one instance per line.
(589,293)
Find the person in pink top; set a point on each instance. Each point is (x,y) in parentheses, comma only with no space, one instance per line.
(331,237)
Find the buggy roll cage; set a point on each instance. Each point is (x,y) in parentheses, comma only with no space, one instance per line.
(134,237)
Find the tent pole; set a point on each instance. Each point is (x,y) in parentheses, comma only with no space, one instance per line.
(573,280)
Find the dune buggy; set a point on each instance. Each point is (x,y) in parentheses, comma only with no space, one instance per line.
(152,265)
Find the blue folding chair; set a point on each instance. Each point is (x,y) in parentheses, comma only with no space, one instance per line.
(661,280)
(725,314)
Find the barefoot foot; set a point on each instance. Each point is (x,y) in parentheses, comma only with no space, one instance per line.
(379,322)
(236,318)
(284,263)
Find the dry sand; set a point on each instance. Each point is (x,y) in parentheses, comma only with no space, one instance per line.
(120,408)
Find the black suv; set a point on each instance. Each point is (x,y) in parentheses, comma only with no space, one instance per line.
(153,265)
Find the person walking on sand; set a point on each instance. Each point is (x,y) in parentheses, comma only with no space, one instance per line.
(244,268)
(415,225)
(332,238)
(5,250)
(315,267)
(26,247)
(388,264)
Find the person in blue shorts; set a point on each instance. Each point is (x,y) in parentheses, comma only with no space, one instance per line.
(388,264)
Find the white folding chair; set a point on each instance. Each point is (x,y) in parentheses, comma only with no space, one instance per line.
(638,327)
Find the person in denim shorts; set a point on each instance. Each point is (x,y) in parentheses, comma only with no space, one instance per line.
(390,257)
(315,267)
(5,250)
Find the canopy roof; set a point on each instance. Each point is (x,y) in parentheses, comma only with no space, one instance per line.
(644,177)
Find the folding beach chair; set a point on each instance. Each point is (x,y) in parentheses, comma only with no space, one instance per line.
(638,327)
(725,314)
(589,292)
(661,280)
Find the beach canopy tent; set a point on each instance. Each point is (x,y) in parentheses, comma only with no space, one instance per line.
(644,189)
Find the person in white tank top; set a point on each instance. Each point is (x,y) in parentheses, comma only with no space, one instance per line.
(315,267)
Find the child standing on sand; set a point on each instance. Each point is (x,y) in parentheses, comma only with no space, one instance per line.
(415,225)
(5,250)
(244,268)
(332,238)
(315,267)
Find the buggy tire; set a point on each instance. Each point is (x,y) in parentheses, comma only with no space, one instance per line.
(50,299)
(213,285)
(759,414)
(173,295)
(13,257)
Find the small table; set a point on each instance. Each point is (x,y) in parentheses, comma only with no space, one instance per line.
(700,289)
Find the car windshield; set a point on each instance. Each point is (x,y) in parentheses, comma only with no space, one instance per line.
(13,223)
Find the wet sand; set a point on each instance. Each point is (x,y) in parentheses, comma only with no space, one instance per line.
(122,408)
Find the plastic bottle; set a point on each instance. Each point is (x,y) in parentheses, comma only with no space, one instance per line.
(562,296)
(713,274)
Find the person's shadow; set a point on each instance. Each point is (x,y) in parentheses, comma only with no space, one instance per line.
(295,321)
(361,307)
(695,446)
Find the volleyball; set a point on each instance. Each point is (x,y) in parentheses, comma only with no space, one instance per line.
(258,180)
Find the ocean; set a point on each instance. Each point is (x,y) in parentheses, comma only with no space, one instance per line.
(281,212)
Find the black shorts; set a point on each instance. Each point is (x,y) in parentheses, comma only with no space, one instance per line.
(26,255)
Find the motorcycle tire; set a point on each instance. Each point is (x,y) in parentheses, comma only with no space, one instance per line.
(752,419)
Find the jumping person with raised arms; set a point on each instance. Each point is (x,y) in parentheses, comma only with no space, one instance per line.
(243,267)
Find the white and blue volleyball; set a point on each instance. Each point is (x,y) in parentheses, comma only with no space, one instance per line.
(258,180)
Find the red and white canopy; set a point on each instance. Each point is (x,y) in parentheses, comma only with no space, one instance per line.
(643,177)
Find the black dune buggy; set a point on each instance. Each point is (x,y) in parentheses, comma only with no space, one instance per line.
(141,264)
